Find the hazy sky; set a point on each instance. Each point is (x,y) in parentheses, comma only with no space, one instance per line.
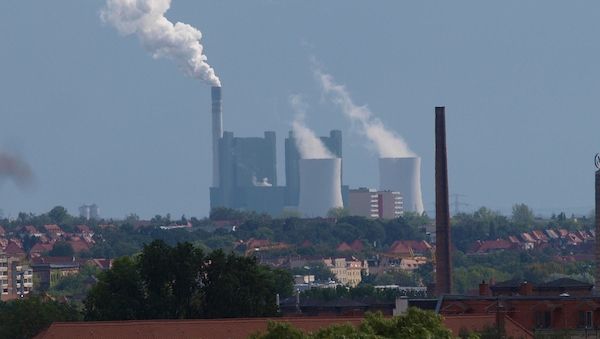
(102,122)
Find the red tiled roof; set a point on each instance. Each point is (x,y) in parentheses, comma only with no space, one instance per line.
(53,228)
(357,245)
(41,248)
(257,243)
(174,329)
(492,245)
(343,247)
(13,249)
(79,245)
(400,248)
(30,230)
(83,229)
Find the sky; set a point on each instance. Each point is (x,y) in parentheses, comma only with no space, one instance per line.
(100,121)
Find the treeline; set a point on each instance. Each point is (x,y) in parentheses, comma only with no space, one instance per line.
(181,282)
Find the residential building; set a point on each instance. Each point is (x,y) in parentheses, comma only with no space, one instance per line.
(16,279)
(347,272)
(371,203)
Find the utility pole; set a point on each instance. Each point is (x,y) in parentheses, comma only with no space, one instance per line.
(457,202)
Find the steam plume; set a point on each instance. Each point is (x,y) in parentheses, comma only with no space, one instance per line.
(16,169)
(309,145)
(159,36)
(387,143)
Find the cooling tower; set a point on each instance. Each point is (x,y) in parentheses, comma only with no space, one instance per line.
(320,186)
(403,175)
(217,131)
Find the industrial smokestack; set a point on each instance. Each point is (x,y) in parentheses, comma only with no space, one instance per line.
(443,269)
(320,186)
(403,175)
(217,131)
(597,274)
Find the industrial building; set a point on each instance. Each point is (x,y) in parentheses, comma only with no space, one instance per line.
(333,143)
(371,203)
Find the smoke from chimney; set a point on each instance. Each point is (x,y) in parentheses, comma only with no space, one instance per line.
(15,169)
(386,142)
(159,36)
(309,145)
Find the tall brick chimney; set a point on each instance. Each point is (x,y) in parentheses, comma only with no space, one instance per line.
(443,268)
(597,275)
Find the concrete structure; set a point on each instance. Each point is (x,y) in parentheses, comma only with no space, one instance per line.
(443,268)
(403,175)
(333,143)
(248,175)
(347,272)
(371,203)
(217,131)
(16,280)
(89,211)
(320,186)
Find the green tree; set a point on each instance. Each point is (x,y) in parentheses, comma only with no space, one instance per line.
(415,323)
(58,215)
(522,216)
(61,249)
(118,295)
(338,212)
(25,318)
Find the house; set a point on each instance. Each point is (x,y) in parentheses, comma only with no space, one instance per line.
(400,249)
(40,248)
(53,231)
(357,246)
(552,235)
(31,231)
(489,246)
(14,248)
(347,271)
(534,310)
(2,231)
(49,270)
(343,247)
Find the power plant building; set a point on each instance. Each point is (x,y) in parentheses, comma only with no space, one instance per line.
(375,204)
(248,174)
(333,143)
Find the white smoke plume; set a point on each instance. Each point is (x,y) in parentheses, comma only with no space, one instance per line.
(159,36)
(309,145)
(387,143)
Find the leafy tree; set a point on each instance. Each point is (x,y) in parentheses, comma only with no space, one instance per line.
(61,249)
(118,295)
(58,215)
(338,212)
(522,215)
(180,282)
(415,323)
(25,318)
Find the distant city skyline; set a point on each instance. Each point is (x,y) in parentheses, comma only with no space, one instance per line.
(99,120)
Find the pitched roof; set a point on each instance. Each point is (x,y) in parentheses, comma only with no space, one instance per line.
(400,248)
(41,248)
(492,245)
(13,249)
(201,328)
(357,245)
(53,228)
(83,229)
(343,247)
(566,282)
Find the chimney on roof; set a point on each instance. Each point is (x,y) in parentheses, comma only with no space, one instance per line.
(443,269)
(484,289)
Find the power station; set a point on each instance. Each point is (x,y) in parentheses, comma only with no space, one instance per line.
(245,175)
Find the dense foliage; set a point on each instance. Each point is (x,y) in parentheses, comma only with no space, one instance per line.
(415,323)
(27,317)
(166,282)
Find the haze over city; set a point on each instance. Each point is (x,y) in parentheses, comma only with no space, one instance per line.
(98,120)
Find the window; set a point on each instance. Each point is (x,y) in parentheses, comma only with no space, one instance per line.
(586,319)
(543,319)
